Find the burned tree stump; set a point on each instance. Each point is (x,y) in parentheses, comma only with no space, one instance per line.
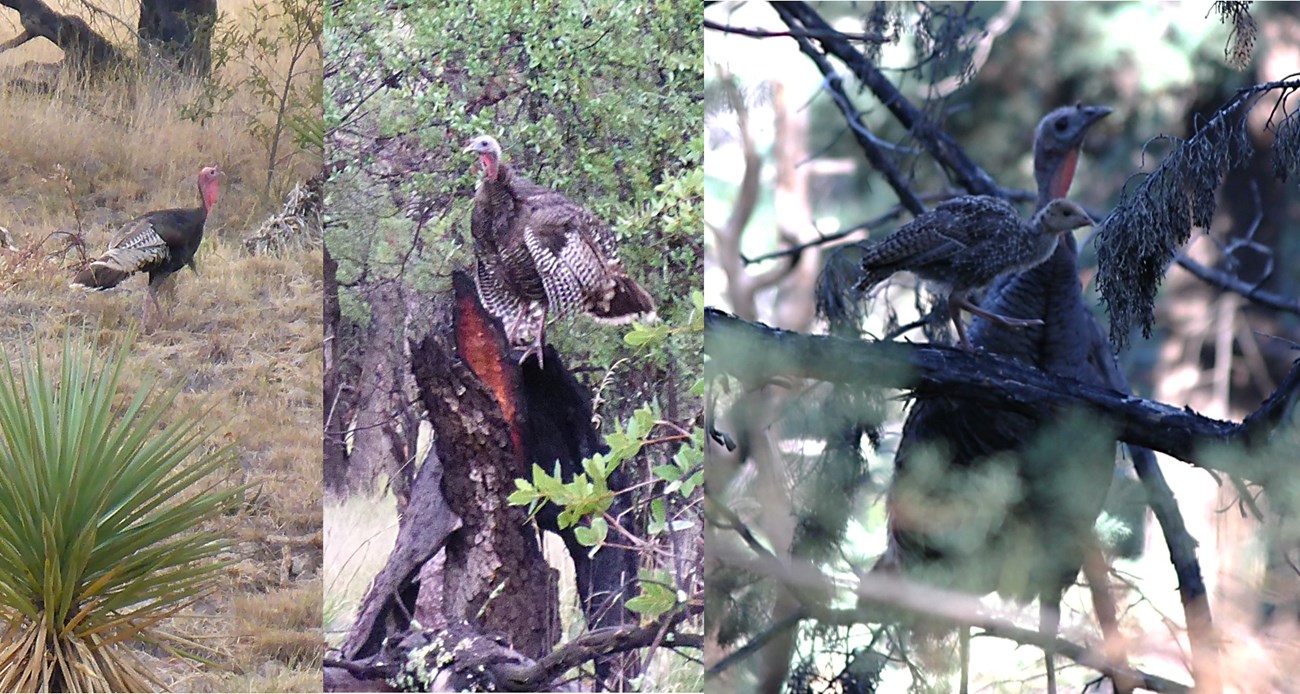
(492,421)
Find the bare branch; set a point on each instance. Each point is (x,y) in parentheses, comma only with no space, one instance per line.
(1236,285)
(835,85)
(877,591)
(763,33)
(945,151)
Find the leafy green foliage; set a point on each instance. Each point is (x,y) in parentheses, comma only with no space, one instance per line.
(657,596)
(599,102)
(103,508)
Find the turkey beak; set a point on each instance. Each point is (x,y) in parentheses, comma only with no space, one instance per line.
(1092,114)
(469,147)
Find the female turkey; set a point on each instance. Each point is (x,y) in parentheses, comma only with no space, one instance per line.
(160,243)
(540,253)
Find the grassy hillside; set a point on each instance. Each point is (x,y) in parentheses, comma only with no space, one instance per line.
(244,335)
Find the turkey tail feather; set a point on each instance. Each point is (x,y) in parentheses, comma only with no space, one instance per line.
(627,303)
(98,275)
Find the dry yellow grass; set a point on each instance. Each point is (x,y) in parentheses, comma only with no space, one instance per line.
(359,535)
(244,335)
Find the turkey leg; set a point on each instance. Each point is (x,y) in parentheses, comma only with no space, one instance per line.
(149,298)
(1049,621)
(959,301)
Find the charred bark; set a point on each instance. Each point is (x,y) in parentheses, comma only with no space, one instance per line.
(755,353)
(494,575)
(492,421)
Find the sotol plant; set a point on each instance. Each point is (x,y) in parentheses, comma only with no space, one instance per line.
(102,504)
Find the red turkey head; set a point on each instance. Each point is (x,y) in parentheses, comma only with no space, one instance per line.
(489,153)
(208,185)
(1056,147)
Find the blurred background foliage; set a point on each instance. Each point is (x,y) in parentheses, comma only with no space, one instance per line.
(986,73)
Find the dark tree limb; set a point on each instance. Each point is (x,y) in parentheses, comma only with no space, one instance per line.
(602,642)
(764,33)
(83,46)
(967,174)
(1182,554)
(756,353)
(459,657)
(1236,285)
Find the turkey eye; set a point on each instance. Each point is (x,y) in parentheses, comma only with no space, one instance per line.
(1060,125)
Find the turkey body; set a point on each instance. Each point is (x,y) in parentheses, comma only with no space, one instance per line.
(159,243)
(966,243)
(540,255)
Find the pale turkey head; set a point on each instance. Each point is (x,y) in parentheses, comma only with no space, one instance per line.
(1061,215)
(209,186)
(489,154)
(1056,147)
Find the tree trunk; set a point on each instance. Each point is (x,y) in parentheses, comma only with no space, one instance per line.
(378,388)
(339,392)
(179,32)
(494,574)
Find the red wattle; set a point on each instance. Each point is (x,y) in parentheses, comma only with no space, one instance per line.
(1064,176)
(489,166)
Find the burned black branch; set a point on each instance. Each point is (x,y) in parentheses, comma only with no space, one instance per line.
(756,353)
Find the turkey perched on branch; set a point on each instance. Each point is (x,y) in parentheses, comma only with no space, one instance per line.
(1060,503)
(966,243)
(160,243)
(539,253)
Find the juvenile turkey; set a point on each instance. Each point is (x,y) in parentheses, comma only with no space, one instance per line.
(538,253)
(159,243)
(966,243)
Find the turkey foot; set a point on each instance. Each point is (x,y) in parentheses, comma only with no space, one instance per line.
(536,348)
(533,349)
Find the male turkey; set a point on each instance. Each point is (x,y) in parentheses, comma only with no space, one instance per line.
(1060,502)
(159,243)
(966,243)
(540,253)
